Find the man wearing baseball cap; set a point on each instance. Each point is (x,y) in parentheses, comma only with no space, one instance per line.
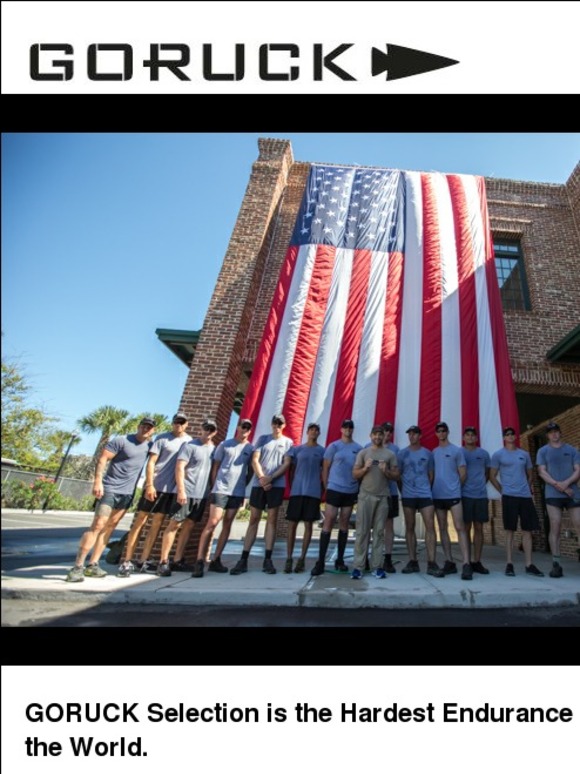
(192,472)
(514,468)
(267,491)
(416,470)
(474,495)
(559,466)
(125,456)
(229,478)
(157,500)
(341,495)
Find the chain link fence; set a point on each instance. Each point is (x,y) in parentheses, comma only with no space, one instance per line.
(68,487)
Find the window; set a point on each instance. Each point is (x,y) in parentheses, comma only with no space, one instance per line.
(511,276)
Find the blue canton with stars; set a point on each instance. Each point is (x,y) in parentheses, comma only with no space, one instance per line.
(355,208)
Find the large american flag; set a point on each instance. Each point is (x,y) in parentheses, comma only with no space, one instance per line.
(387,308)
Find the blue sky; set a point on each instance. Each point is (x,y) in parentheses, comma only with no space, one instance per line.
(106,237)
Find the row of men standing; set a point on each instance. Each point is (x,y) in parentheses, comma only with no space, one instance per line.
(181,472)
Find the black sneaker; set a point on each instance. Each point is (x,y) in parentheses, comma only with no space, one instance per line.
(509,570)
(149,567)
(388,566)
(556,571)
(434,570)
(478,567)
(340,566)
(241,566)
(411,566)
(318,568)
(216,566)
(163,570)
(449,567)
(180,566)
(467,572)
(198,569)
(533,570)
(268,567)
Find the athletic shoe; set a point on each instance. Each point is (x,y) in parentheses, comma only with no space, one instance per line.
(149,567)
(356,574)
(556,571)
(467,572)
(388,566)
(241,566)
(411,566)
(94,571)
(318,568)
(288,566)
(163,570)
(478,567)
(299,566)
(533,570)
(180,566)
(198,569)
(434,570)
(340,566)
(75,575)
(449,567)
(509,570)
(126,569)
(217,566)
(268,567)
(380,573)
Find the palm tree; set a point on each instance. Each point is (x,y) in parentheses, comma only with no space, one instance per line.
(108,421)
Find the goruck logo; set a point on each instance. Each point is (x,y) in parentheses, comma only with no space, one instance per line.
(275,62)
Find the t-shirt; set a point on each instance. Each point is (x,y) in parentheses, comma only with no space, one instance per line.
(446,461)
(477,461)
(198,458)
(167,446)
(234,457)
(375,482)
(272,452)
(559,462)
(393,488)
(307,464)
(342,457)
(512,467)
(126,466)
(415,466)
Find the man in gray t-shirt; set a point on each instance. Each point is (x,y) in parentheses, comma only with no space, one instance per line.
(125,456)
(158,499)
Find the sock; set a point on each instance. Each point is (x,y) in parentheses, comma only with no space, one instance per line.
(387,557)
(556,559)
(268,554)
(323,545)
(245,555)
(342,540)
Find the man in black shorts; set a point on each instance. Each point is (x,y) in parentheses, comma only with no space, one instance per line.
(267,491)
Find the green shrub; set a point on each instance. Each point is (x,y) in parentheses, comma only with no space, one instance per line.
(33,495)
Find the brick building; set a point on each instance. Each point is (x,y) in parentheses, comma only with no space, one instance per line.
(536,232)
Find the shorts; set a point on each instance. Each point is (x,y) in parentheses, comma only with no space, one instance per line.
(475,509)
(341,499)
(303,508)
(264,500)
(393,506)
(446,505)
(417,503)
(563,502)
(116,502)
(165,502)
(225,501)
(193,509)
(512,507)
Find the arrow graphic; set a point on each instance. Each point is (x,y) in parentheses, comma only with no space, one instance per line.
(401,62)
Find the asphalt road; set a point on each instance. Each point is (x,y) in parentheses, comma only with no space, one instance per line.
(28,539)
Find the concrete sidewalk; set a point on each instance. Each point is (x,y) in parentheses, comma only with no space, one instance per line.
(330,590)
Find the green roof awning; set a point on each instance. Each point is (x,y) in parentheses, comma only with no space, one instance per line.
(567,349)
(181,343)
